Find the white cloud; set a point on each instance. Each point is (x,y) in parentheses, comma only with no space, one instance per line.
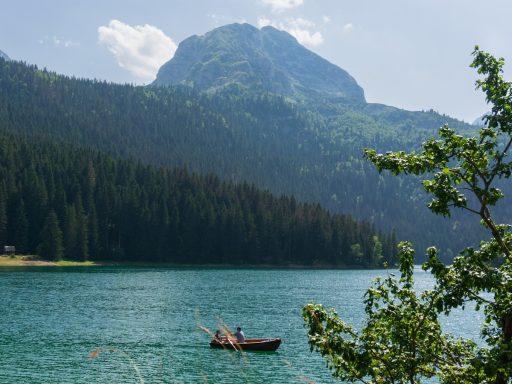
(58,42)
(282,5)
(348,27)
(219,20)
(263,22)
(298,28)
(326,19)
(141,49)
(301,23)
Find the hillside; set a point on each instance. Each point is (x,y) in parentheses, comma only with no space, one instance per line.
(240,136)
(98,207)
(239,59)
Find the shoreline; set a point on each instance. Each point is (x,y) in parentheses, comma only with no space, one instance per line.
(34,261)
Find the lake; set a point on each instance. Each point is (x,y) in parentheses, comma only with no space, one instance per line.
(143,324)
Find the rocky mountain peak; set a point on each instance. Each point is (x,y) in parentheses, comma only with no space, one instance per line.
(265,59)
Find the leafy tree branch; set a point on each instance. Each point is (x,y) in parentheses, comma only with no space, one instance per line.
(402,326)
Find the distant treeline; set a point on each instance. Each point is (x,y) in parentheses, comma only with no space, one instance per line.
(60,201)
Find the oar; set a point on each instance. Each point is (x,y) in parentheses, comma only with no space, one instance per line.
(220,342)
(233,345)
(225,328)
(206,330)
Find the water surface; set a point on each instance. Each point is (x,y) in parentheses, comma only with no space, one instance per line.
(144,323)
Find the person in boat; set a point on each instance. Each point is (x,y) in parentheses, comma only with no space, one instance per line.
(239,334)
(217,335)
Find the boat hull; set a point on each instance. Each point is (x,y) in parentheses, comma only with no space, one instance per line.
(268,345)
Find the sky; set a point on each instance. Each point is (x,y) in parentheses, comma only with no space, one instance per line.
(411,54)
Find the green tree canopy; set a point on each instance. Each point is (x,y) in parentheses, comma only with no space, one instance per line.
(401,341)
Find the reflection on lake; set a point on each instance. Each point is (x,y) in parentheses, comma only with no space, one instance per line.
(145,322)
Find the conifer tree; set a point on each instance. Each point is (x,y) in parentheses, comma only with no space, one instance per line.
(3,218)
(70,232)
(51,247)
(81,248)
(19,227)
(93,236)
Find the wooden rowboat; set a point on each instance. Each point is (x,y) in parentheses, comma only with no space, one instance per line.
(248,345)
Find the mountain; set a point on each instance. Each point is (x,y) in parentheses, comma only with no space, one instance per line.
(264,59)
(480,121)
(4,56)
(311,150)
(239,58)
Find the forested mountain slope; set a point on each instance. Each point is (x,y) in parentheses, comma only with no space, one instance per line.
(242,136)
(57,200)
(239,58)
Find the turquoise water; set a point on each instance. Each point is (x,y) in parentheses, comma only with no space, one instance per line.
(145,323)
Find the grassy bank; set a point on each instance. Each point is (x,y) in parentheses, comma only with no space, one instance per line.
(30,260)
(35,261)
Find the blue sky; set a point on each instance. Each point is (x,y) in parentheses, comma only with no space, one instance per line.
(412,54)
